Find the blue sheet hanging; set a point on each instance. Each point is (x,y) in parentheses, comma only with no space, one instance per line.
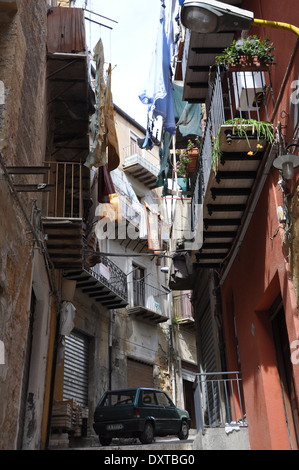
(158,91)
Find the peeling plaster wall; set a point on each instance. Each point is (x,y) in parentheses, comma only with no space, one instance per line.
(39,350)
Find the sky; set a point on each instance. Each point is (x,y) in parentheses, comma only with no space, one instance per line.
(129,46)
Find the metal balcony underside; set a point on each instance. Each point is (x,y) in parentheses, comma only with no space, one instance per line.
(226,200)
(97,288)
(64,241)
(201,50)
(141,169)
(146,314)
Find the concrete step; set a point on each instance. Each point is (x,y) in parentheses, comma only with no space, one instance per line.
(160,443)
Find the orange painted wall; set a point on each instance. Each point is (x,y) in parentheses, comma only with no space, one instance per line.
(258,275)
(261,271)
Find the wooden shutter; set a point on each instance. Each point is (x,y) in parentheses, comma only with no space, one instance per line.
(139,374)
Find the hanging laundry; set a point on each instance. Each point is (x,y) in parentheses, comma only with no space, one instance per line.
(113,150)
(158,92)
(105,184)
(97,156)
(102,125)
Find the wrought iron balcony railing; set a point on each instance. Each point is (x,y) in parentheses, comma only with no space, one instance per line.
(111,276)
(104,282)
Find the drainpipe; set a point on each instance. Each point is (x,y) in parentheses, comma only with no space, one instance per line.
(111,312)
(283,85)
(52,383)
(172,363)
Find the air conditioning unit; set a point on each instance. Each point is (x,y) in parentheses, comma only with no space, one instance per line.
(248,89)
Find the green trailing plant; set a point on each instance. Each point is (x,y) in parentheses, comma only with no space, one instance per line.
(242,127)
(252,46)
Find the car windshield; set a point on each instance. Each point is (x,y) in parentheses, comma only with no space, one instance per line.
(123,397)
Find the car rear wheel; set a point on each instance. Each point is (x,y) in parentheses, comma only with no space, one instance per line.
(184,431)
(147,436)
(105,441)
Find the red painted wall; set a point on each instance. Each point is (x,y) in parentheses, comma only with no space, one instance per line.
(260,271)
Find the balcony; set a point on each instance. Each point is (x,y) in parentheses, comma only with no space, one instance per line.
(69,105)
(104,283)
(149,303)
(226,187)
(63,211)
(182,308)
(144,168)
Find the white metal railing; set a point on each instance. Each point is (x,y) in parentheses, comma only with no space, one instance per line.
(148,296)
(218,398)
(134,155)
(66,199)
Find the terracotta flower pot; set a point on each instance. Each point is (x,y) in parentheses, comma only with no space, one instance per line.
(248,64)
(193,155)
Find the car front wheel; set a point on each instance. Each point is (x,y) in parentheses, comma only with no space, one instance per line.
(147,435)
(184,431)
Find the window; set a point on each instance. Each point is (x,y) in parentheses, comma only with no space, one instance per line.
(120,398)
(148,398)
(134,147)
(138,285)
(163,399)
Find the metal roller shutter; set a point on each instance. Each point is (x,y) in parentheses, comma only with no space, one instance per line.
(208,359)
(76,365)
(139,374)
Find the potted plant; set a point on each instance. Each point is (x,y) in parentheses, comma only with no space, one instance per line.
(193,151)
(181,166)
(252,53)
(187,158)
(249,136)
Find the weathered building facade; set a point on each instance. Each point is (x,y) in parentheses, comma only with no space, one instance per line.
(245,274)
(27,305)
(74,321)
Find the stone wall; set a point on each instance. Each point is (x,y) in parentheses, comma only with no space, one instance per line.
(22,72)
